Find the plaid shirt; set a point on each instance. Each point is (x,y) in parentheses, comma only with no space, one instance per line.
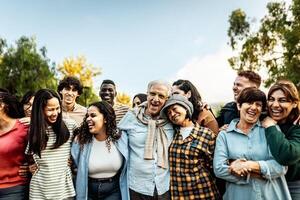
(191,165)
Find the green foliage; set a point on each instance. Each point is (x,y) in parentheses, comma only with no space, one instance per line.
(87,97)
(23,67)
(274,46)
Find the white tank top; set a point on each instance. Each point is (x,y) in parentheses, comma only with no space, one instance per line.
(104,163)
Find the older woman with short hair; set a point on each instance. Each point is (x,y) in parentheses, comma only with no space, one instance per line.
(242,156)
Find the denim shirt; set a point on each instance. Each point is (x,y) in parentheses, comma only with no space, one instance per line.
(233,144)
(144,175)
(81,160)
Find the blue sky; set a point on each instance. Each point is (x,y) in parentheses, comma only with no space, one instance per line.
(136,41)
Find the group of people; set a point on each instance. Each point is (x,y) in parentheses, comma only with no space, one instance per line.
(169,145)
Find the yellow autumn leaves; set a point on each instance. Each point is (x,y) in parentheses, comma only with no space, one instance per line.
(80,68)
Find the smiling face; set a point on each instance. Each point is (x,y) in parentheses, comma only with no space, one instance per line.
(95,121)
(52,110)
(250,112)
(28,107)
(177,114)
(279,106)
(241,83)
(156,98)
(108,93)
(69,95)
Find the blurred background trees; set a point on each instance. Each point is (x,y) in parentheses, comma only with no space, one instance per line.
(274,46)
(24,67)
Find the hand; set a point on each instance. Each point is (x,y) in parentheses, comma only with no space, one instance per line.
(224,127)
(268,121)
(33,168)
(24,170)
(297,121)
(25,120)
(239,168)
(70,162)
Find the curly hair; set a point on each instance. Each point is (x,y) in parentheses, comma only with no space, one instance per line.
(68,81)
(83,134)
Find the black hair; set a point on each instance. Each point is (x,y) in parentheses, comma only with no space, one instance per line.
(11,105)
(251,94)
(38,125)
(142,97)
(83,134)
(108,81)
(25,99)
(195,99)
(69,81)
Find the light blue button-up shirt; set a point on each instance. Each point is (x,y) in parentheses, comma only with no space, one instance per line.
(233,144)
(143,175)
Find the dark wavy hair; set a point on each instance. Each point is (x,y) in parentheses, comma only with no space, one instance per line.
(67,82)
(251,94)
(38,125)
(83,134)
(195,99)
(291,93)
(11,105)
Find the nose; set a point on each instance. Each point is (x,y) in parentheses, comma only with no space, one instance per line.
(275,103)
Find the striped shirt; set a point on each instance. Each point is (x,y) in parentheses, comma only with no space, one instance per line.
(191,165)
(53,178)
(120,111)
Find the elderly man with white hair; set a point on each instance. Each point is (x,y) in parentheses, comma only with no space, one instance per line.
(148,137)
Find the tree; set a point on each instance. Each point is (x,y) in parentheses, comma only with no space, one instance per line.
(79,68)
(123,98)
(23,67)
(275,46)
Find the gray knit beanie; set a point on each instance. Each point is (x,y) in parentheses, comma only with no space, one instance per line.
(180,100)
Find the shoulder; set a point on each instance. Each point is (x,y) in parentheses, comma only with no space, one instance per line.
(128,118)
(80,107)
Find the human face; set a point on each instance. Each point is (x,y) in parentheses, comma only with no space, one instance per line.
(241,83)
(52,110)
(136,101)
(177,114)
(95,120)
(250,112)
(69,95)
(279,106)
(28,107)
(108,93)
(156,98)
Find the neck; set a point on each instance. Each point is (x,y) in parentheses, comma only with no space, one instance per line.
(68,107)
(245,127)
(101,136)
(186,123)
(6,123)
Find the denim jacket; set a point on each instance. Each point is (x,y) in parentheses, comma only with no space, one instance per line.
(81,160)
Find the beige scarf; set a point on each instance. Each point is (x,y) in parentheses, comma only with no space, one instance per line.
(156,137)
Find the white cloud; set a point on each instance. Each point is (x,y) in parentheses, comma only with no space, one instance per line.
(212,75)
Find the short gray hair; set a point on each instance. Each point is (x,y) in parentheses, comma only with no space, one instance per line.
(160,82)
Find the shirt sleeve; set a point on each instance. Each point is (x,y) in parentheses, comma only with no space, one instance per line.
(220,162)
(285,150)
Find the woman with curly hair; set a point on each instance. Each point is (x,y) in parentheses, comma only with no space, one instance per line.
(99,157)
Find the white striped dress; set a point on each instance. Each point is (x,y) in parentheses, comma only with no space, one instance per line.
(53,179)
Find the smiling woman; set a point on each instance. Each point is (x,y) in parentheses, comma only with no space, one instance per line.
(99,157)
(49,145)
(282,134)
(242,157)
